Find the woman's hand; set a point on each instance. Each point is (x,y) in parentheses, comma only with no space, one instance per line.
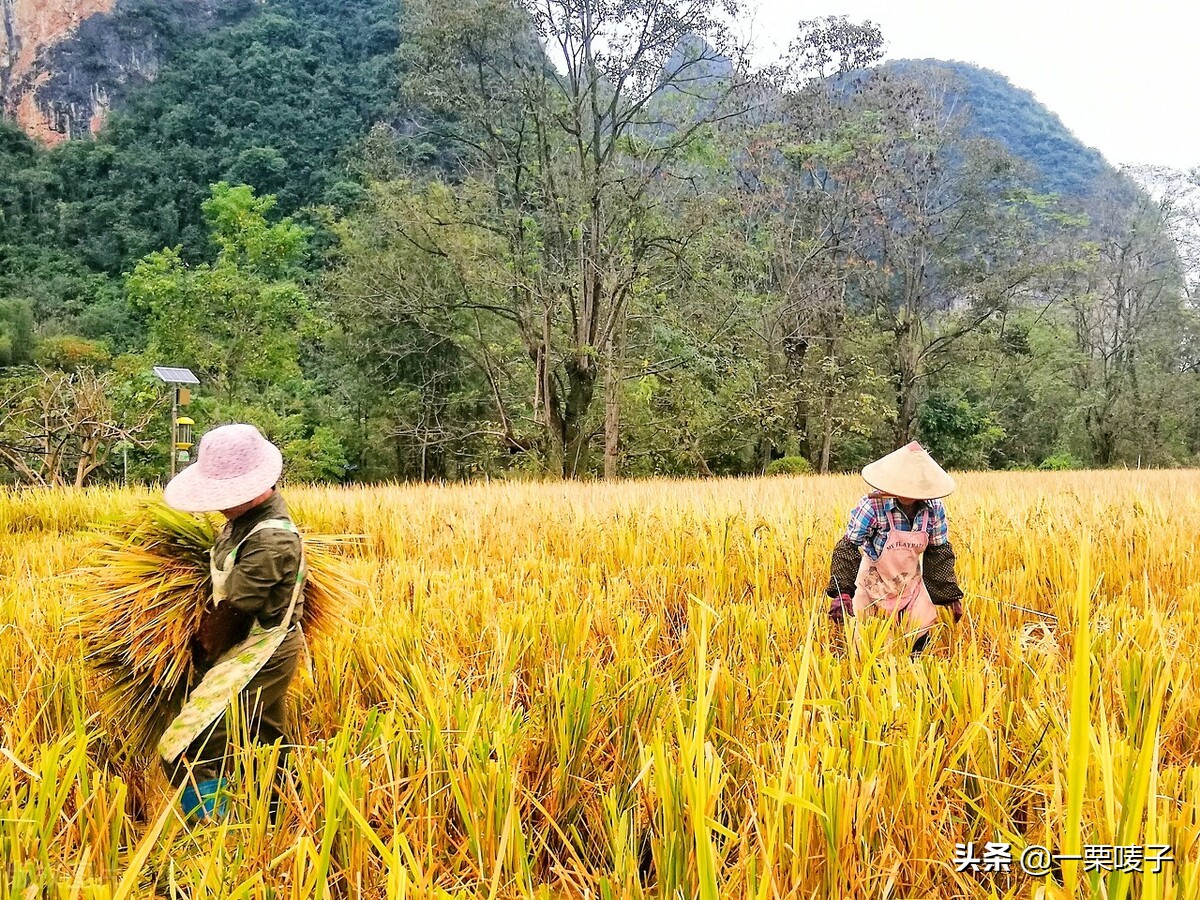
(842,606)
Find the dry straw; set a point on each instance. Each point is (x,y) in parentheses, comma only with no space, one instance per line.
(141,602)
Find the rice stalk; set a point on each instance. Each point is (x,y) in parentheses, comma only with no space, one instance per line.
(141,602)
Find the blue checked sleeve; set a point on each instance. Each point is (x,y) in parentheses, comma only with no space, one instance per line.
(939,525)
(862,522)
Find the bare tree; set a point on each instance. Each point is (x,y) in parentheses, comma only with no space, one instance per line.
(945,236)
(807,210)
(576,116)
(58,428)
(798,214)
(1177,195)
(1126,306)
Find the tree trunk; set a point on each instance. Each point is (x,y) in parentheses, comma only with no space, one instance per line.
(87,453)
(553,415)
(614,358)
(1104,439)
(906,424)
(567,439)
(795,352)
(556,438)
(765,446)
(399,450)
(581,386)
(827,406)
(906,383)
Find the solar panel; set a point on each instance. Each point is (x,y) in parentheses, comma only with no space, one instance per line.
(172,375)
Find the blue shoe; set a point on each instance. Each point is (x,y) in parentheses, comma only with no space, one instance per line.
(205,800)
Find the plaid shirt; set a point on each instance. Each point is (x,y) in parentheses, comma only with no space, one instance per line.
(873,518)
(868,530)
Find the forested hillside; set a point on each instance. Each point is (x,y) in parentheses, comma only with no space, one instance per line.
(1012,117)
(276,101)
(407,244)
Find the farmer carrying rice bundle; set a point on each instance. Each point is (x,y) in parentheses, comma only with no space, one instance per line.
(179,616)
(895,557)
(250,642)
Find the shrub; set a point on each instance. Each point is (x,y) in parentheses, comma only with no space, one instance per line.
(1060,462)
(790,465)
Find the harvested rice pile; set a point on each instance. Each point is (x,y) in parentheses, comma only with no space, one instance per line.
(142,601)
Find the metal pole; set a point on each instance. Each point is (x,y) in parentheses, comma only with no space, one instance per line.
(174,417)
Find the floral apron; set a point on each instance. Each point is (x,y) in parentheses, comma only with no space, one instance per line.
(893,583)
(230,675)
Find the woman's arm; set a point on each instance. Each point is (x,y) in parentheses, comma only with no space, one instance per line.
(941,579)
(259,586)
(264,573)
(843,569)
(937,566)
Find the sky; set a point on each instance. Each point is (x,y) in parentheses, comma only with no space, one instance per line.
(1125,77)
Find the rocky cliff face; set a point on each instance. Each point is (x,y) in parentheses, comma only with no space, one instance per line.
(65,63)
(31,27)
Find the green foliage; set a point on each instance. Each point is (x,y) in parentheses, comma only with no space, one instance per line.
(790,465)
(356,246)
(273,102)
(68,353)
(957,432)
(34,266)
(1060,462)
(274,96)
(235,321)
(418,397)
(16,333)
(317,458)
(240,229)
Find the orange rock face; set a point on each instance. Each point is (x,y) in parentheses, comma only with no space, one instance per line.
(27,29)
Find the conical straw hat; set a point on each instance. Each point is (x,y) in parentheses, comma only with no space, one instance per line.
(909,472)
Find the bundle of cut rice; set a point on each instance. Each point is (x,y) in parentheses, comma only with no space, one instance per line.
(142,601)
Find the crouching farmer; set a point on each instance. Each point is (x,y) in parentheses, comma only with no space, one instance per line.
(895,557)
(250,642)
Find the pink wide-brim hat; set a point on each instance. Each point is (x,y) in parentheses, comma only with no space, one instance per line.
(235,465)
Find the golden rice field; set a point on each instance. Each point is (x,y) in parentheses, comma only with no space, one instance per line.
(612,691)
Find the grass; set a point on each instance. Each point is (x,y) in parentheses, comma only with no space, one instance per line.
(631,691)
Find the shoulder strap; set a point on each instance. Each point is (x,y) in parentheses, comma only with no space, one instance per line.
(890,515)
(264,525)
(297,588)
(281,524)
